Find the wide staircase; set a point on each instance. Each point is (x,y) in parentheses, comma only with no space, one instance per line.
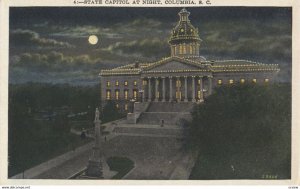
(148,130)
(172,113)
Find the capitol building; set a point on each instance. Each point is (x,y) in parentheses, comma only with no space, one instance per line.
(185,76)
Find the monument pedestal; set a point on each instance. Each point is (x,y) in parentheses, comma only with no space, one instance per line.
(94,169)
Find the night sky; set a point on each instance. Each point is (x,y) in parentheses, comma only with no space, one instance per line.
(51,44)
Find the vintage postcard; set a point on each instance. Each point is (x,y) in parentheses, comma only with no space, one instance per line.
(136,91)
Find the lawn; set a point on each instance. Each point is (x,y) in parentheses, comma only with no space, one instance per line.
(37,144)
(120,164)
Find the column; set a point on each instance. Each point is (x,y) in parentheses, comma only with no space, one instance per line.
(185,89)
(209,85)
(163,90)
(156,89)
(171,96)
(201,89)
(193,89)
(178,98)
(143,90)
(149,89)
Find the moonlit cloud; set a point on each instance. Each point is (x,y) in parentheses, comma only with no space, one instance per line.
(29,38)
(146,47)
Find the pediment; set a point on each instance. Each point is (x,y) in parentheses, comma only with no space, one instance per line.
(174,65)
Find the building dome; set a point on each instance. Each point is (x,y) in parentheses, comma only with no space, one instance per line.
(185,40)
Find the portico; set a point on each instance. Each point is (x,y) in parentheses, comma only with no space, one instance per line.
(179,88)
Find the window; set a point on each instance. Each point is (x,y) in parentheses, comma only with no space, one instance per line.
(184,49)
(254,80)
(178,95)
(178,83)
(117,83)
(135,94)
(108,97)
(242,81)
(108,84)
(144,82)
(230,81)
(126,83)
(267,80)
(117,94)
(126,94)
(199,94)
(126,107)
(157,94)
(134,83)
(180,49)
(117,106)
(199,81)
(191,49)
(219,81)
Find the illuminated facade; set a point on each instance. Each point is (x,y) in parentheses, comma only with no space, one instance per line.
(185,76)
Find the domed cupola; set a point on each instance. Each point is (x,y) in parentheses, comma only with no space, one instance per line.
(185,40)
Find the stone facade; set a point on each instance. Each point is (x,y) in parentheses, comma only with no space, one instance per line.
(183,77)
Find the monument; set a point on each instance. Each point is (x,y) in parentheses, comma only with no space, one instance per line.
(94,168)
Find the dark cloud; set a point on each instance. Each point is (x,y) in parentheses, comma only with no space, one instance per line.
(256,40)
(29,38)
(147,47)
(54,61)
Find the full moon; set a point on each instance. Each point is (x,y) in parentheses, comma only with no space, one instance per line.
(93,39)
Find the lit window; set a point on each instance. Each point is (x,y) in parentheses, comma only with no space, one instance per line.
(157,94)
(126,107)
(184,49)
(267,80)
(178,94)
(199,94)
(144,82)
(199,81)
(254,80)
(108,95)
(191,49)
(134,94)
(180,49)
(134,83)
(242,80)
(117,94)
(126,83)
(126,94)
(230,81)
(178,83)
(220,81)
(108,84)
(117,106)
(117,83)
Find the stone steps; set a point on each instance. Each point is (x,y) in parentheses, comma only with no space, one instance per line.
(170,107)
(170,118)
(149,131)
